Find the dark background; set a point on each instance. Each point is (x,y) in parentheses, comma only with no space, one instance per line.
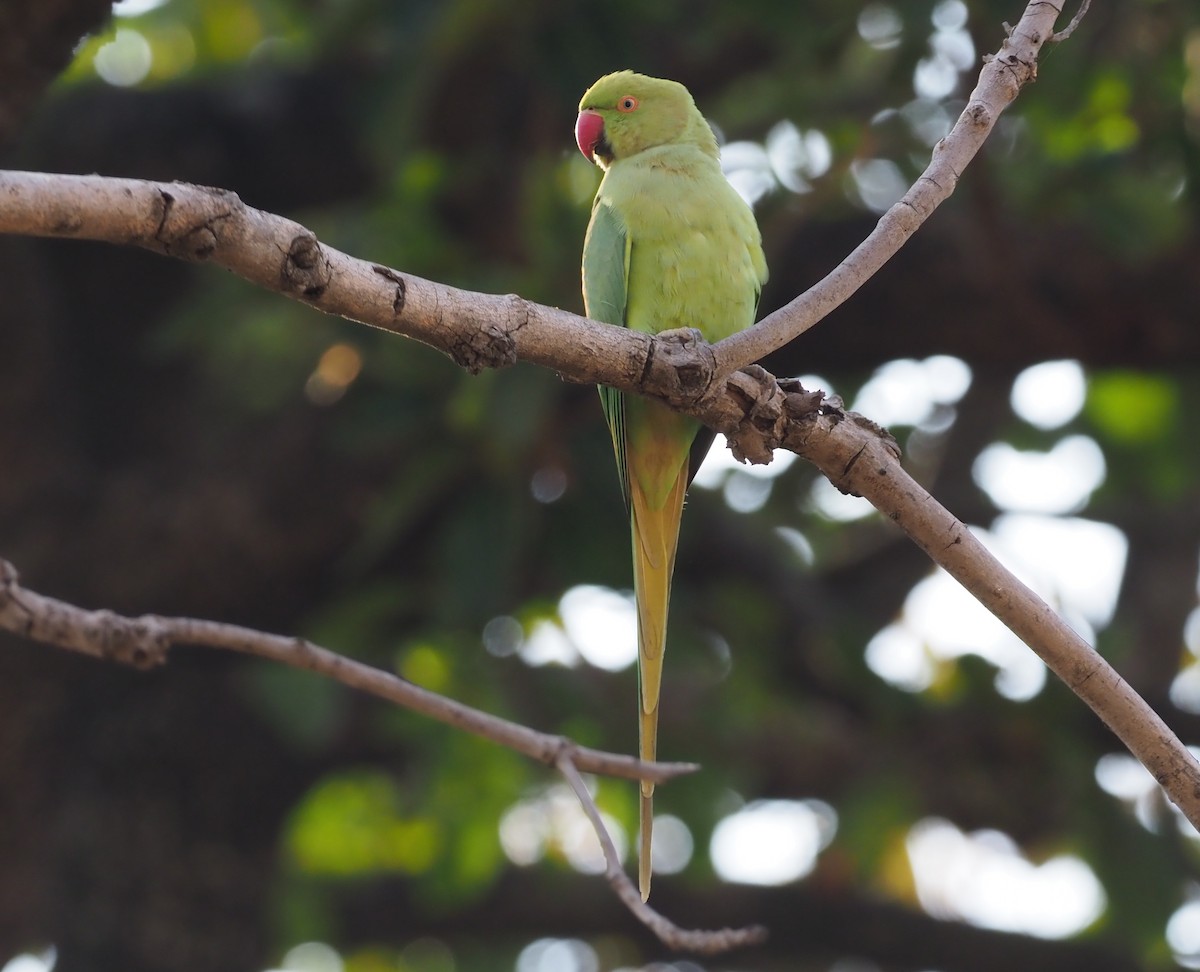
(159,453)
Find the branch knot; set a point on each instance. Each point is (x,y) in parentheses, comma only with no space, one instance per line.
(306,268)
(488,346)
(760,430)
(139,642)
(680,365)
(192,231)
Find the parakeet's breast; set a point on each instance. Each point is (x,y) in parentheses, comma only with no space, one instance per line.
(696,255)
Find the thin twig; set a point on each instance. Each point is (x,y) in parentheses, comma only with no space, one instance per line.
(1004,74)
(1059,36)
(700,941)
(144,642)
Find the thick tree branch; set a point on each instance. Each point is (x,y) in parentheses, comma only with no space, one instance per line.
(860,458)
(202,224)
(481,330)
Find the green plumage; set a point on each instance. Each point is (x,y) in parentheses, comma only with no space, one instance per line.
(670,245)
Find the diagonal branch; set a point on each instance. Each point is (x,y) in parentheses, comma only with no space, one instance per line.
(1061,35)
(860,458)
(1003,76)
(144,642)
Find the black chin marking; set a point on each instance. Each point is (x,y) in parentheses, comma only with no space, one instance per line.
(603,149)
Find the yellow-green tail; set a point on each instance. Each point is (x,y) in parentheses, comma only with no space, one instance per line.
(655,536)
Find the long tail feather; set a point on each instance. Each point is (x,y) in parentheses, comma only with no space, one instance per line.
(646,830)
(655,537)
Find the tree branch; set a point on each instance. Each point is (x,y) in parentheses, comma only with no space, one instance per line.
(682,939)
(757,412)
(204,224)
(1004,75)
(144,643)
(862,459)
(489,331)
(1061,35)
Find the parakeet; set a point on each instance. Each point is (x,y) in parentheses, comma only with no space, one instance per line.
(670,245)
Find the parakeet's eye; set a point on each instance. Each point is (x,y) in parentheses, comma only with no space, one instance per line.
(627,103)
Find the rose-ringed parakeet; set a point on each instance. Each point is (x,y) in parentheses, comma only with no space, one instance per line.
(670,245)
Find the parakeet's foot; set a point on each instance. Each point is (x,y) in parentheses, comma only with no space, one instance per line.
(687,337)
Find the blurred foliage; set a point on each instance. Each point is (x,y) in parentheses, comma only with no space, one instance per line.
(484,499)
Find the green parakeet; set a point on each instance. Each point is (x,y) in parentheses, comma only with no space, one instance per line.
(670,245)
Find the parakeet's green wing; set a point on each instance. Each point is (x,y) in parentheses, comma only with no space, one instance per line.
(606,257)
(606,254)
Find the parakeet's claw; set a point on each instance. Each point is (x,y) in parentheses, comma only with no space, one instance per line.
(687,337)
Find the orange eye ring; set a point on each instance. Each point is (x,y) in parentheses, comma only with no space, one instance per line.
(627,104)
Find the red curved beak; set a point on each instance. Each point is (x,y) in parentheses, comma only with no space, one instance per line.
(589,129)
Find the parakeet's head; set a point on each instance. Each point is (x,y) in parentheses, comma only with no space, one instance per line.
(626,113)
